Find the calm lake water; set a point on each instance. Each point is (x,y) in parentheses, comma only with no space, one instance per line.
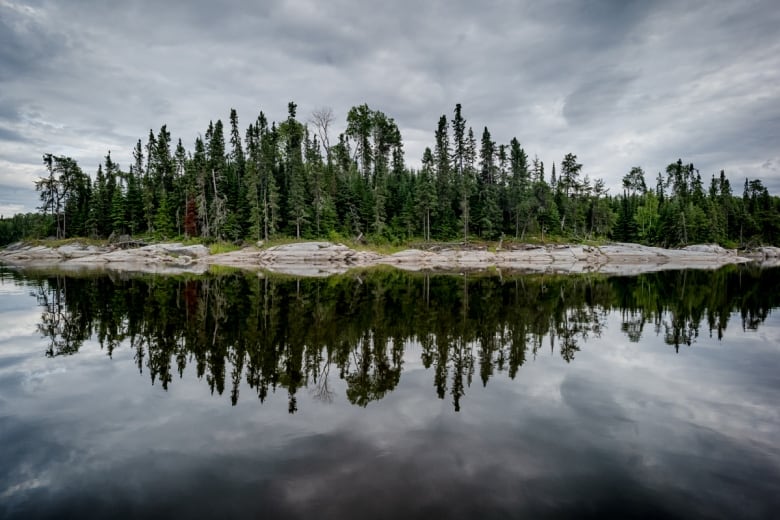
(389,395)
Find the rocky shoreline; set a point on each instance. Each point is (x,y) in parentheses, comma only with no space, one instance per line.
(325,258)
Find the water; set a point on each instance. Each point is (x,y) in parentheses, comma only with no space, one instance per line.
(387,395)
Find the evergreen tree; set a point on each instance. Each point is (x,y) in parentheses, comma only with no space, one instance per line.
(281,178)
(163,224)
(118,222)
(426,193)
(467,181)
(519,187)
(567,188)
(488,210)
(149,187)
(293,134)
(235,191)
(218,210)
(441,157)
(99,217)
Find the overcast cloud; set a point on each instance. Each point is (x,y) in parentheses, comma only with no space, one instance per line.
(618,83)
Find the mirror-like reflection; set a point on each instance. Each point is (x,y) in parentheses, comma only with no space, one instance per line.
(415,396)
(284,333)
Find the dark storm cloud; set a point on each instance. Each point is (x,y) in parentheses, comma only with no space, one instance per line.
(8,110)
(10,135)
(26,44)
(619,83)
(595,98)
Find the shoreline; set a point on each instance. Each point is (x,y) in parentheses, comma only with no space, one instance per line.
(326,258)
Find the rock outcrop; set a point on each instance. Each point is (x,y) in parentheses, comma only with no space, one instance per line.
(325,258)
(301,259)
(156,258)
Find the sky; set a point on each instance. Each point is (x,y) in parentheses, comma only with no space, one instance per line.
(618,83)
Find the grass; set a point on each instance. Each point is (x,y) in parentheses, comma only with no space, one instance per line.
(384,248)
(65,241)
(280,241)
(222,247)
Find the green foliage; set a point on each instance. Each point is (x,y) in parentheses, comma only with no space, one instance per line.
(222,247)
(162,224)
(284,179)
(24,226)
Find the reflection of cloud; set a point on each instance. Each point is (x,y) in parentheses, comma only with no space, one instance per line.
(542,469)
(37,379)
(625,430)
(16,324)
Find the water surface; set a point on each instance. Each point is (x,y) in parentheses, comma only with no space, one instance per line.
(383,394)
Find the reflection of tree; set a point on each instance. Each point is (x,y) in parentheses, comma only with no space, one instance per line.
(677,303)
(632,324)
(59,323)
(373,373)
(272,333)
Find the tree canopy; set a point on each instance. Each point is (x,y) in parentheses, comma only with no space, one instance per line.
(293,179)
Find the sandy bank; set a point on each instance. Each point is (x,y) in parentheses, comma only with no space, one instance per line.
(325,258)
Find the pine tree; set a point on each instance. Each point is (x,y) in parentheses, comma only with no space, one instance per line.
(101,204)
(149,188)
(252,182)
(282,179)
(444,188)
(568,189)
(519,186)
(216,159)
(488,209)
(467,182)
(426,193)
(134,202)
(293,134)
(118,222)
(236,192)
(269,189)
(163,225)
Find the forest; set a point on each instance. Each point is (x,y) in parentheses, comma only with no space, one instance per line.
(292,179)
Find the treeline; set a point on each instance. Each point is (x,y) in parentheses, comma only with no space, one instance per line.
(290,179)
(278,333)
(21,226)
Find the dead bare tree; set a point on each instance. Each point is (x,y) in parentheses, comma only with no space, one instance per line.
(322,118)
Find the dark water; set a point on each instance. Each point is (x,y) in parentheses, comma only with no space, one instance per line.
(386,395)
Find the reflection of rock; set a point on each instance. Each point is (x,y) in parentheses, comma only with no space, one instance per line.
(325,258)
(768,256)
(768,252)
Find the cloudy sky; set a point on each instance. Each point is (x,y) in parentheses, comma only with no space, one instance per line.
(619,83)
